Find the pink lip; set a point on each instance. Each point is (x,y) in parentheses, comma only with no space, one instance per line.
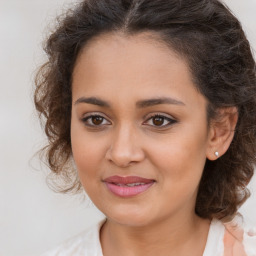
(119,185)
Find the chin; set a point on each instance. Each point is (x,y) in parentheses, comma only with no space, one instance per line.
(130,217)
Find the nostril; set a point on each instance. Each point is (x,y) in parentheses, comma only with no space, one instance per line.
(124,151)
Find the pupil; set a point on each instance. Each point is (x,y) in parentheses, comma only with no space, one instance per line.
(97,120)
(158,121)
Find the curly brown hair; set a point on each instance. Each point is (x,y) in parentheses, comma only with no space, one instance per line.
(212,41)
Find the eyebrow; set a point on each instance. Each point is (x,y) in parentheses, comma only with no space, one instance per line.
(158,101)
(93,101)
(139,104)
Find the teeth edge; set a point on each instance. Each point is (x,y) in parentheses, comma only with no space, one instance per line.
(130,184)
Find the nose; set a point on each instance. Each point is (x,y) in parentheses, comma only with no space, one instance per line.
(125,148)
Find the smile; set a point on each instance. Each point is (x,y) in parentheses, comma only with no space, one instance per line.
(128,186)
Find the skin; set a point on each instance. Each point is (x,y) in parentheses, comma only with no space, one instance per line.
(127,140)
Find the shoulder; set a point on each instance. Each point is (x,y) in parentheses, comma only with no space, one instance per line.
(239,239)
(86,243)
(231,239)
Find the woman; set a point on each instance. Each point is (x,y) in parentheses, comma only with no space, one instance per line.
(154,101)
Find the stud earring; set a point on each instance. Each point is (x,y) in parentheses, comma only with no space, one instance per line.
(216,154)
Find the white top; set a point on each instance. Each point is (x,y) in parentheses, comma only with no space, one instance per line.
(223,240)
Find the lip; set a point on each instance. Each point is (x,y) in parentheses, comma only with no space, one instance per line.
(128,186)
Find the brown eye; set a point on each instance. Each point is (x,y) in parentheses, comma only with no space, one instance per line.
(97,120)
(158,120)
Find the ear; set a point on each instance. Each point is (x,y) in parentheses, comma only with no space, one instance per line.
(221,132)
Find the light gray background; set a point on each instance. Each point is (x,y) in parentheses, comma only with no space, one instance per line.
(33,218)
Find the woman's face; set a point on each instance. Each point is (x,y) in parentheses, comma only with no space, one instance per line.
(139,129)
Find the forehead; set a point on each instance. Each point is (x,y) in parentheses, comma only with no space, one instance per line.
(142,48)
(118,51)
(114,64)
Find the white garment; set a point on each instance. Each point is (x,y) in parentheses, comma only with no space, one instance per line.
(88,243)
(84,244)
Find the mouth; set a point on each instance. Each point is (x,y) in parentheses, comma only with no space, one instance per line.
(128,186)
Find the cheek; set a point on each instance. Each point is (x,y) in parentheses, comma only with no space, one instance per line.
(87,153)
(183,157)
(87,158)
(179,167)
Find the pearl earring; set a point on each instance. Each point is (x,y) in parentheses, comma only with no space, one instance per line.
(216,154)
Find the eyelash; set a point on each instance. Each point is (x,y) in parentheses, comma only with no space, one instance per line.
(85,120)
(170,121)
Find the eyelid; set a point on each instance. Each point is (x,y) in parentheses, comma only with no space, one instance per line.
(171,120)
(168,117)
(87,116)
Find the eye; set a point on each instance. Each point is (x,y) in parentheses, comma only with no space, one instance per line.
(158,120)
(95,120)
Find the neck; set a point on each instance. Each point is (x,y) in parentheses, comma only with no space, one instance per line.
(179,237)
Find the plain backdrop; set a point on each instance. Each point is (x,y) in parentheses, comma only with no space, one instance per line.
(32,217)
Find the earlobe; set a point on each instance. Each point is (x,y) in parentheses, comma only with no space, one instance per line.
(221,132)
